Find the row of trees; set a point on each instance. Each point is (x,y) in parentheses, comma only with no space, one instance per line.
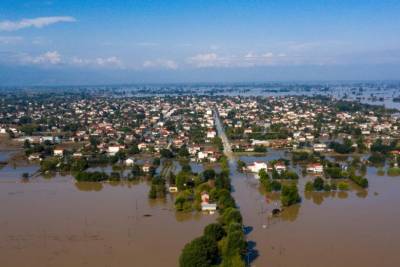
(222,243)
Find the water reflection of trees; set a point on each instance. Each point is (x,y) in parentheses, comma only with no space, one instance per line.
(89,186)
(291,213)
(96,186)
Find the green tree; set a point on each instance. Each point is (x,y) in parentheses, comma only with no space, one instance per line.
(201,252)
(290,195)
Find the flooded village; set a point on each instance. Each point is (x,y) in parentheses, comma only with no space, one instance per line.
(213,175)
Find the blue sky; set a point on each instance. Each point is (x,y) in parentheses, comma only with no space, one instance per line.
(89,42)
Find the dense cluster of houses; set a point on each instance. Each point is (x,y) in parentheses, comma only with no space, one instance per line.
(294,122)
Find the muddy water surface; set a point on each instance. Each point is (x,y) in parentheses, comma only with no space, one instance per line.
(57,222)
(354,228)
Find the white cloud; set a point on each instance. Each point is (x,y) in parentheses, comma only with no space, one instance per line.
(249,59)
(98,62)
(10,39)
(147,44)
(205,60)
(161,63)
(109,61)
(39,22)
(50,57)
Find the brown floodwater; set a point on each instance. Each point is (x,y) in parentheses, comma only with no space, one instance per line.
(354,228)
(58,222)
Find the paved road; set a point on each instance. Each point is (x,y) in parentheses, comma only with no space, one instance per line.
(221,133)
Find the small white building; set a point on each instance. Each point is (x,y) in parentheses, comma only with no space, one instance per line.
(257,166)
(112,150)
(280,167)
(129,162)
(211,134)
(210,207)
(58,152)
(319,147)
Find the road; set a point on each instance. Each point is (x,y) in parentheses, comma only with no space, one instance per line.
(221,133)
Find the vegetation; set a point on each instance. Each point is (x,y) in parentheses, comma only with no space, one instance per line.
(393,171)
(290,195)
(157,189)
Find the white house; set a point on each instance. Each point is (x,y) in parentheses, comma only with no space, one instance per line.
(129,162)
(319,147)
(257,166)
(58,152)
(112,150)
(280,167)
(210,207)
(315,168)
(211,134)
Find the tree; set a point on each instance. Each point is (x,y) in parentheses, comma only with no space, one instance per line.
(183,152)
(309,187)
(263,175)
(201,252)
(166,153)
(208,174)
(318,184)
(290,195)
(215,231)
(231,215)
(240,165)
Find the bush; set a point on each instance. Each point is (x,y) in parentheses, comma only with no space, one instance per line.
(343,186)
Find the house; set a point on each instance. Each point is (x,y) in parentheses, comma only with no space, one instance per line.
(58,152)
(34,156)
(112,150)
(205,197)
(316,168)
(77,155)
(142,146)
(319,147)
(211,134)
(257,166)
(205,205)
(210,207)
(280,167)
(146,167)
(129,161)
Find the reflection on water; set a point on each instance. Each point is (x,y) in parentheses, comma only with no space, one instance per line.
(88,186)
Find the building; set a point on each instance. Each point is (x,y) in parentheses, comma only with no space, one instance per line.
(280,167)
(316,168)
(129,161)
(319,147)
(112,150)
(257,166)
(58,152)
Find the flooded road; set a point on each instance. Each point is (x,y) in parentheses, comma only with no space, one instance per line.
(58,222)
